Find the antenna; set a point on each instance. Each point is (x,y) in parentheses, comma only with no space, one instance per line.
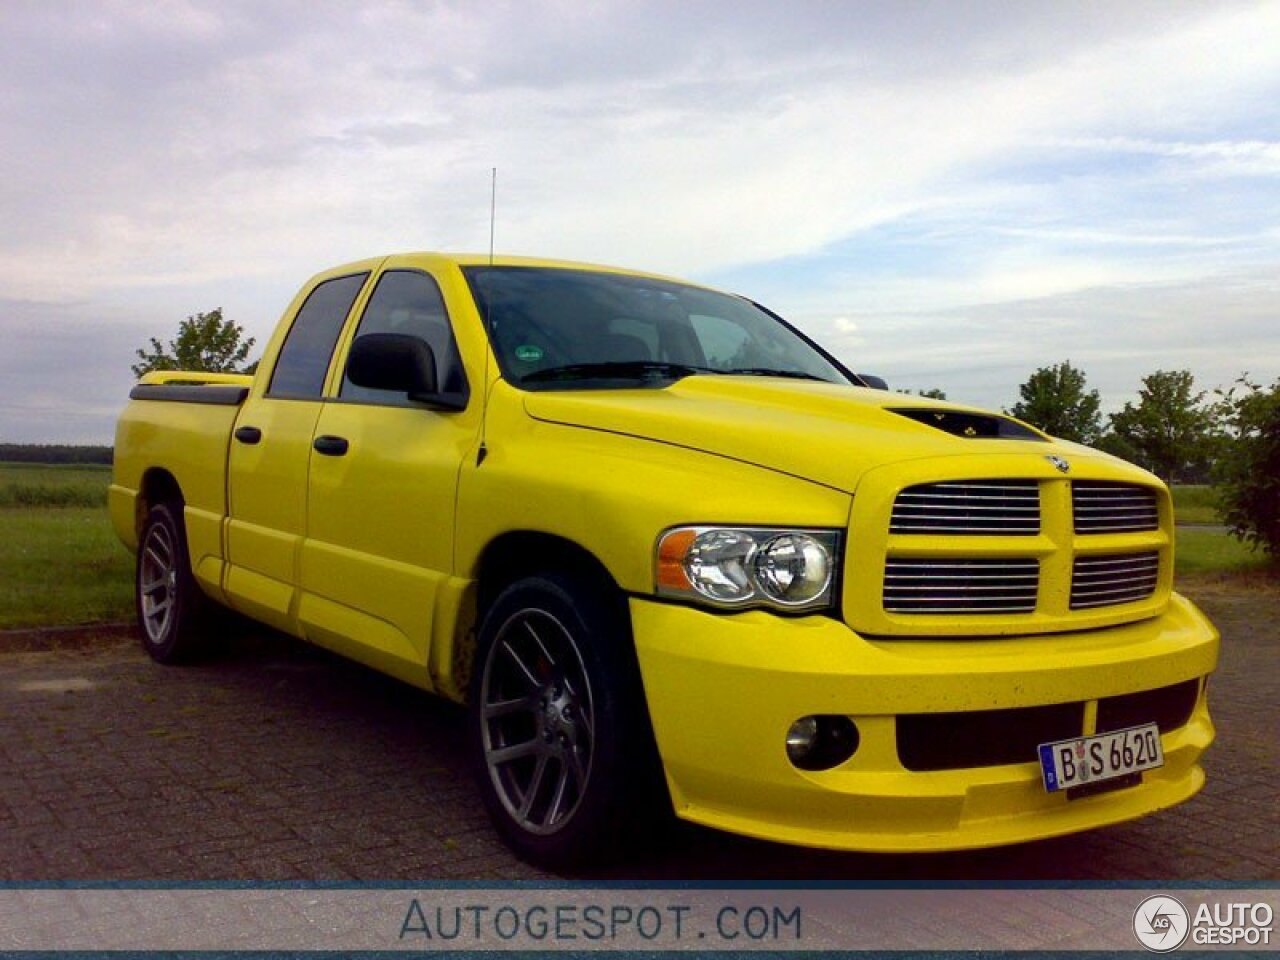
(482,450)
(493,210)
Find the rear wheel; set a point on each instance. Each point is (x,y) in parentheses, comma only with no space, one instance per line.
(563,751)
(170,606)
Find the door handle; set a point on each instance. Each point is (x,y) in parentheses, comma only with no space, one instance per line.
(331,446)
(248,434)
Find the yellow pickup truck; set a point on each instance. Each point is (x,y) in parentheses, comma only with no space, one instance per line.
(673,555)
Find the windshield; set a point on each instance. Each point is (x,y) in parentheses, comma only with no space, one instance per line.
(558,328)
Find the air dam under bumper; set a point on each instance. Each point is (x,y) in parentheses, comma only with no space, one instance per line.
(723,690)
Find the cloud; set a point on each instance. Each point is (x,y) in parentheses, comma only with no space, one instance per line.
(1218,327)
(846,160)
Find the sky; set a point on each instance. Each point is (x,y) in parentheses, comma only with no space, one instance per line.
(949,195)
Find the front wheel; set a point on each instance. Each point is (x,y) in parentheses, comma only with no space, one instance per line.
(560,735)
(170,606)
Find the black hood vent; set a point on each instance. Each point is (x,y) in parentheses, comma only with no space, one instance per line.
(971,426)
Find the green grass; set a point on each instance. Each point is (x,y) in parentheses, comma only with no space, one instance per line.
(35,485)
(1212,551)
(1195,503)
(62,566)
(60,561)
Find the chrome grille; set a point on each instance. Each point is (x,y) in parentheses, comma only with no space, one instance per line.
(1113,579)
(972,507)
(1113,508)
(980,585)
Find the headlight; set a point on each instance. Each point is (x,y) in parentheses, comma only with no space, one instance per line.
(749,566)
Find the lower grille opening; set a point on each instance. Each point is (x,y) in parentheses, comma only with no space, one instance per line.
(989,738)
(983,738)
(1170,708)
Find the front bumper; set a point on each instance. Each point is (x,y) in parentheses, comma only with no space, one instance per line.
(723,689)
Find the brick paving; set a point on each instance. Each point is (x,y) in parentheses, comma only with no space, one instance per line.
(276,761)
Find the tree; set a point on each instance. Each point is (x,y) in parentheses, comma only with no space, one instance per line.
(1170,431)
(1055,400)
(1248,466)
(205,342)
(933,393)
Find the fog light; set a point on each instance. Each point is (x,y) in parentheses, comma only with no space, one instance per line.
(821,742)
(801,739)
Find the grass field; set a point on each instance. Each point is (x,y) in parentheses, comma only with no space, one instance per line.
(1195,503)
(1211,551)
(60,562)
(34,485)
(62,566)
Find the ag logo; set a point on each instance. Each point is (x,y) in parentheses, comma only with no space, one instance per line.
(1062,465)
(1161,924)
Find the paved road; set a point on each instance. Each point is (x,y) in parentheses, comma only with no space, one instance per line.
(276,761)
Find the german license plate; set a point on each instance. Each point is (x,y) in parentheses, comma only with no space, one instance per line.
(1068,764)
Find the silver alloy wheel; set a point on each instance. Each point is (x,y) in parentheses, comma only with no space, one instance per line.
(158,582)
(537,720)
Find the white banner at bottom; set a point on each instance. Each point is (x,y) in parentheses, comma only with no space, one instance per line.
(379,919)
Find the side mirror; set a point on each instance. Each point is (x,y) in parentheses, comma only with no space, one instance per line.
(874,382)
(395,362)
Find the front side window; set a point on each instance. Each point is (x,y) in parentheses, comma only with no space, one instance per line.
(570,329)
(308,347)
(408,302)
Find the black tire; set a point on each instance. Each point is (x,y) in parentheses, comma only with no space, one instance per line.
(560,735)
(170,606)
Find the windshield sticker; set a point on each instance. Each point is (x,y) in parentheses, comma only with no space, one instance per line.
(529,353)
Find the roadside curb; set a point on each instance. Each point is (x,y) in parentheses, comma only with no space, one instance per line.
(62,638)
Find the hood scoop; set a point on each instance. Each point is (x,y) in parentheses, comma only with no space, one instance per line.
(971,426)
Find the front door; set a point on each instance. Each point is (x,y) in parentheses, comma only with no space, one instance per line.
(381,495)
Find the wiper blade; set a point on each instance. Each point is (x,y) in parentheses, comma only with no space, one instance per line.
(775,372)
(621,369)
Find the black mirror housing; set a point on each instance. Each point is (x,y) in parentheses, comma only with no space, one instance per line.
(872,381)
(396,362)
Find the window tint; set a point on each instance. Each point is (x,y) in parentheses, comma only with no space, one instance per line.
(723,342)
(545,322)
(304,358)
(409,302)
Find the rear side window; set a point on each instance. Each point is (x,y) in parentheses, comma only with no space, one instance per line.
(304,358)
(409,302)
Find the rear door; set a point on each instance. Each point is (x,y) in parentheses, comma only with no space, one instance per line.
(270,455)
(381,493)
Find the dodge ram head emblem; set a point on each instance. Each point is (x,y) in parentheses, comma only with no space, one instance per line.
(1062,465)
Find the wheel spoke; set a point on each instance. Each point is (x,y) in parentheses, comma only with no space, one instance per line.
(502,708)
(520,664)
(551,661)
(579,771)
(514,752)
(160,606)
(152,586)
(555,811)
(535,782)
(159,562)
